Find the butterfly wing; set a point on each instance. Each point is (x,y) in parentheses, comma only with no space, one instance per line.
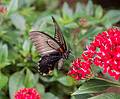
(48,62)
(58,35)
(50,48)
(44,43)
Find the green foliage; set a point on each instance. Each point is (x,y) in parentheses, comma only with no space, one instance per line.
(93,86)
(3,80)
(18,21)
(49,96)
(15,82)
(3,55)
(66,81)
(18,57)
(107,96)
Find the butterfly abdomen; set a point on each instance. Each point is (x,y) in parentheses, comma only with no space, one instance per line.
(47,62)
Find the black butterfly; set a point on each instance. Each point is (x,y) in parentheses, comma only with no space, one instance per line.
(52,50)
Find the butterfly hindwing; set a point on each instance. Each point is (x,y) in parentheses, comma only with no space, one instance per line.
(48,62)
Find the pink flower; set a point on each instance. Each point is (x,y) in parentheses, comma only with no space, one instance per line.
(104,52)
(27,93)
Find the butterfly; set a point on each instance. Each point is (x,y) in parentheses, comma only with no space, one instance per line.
(53,51)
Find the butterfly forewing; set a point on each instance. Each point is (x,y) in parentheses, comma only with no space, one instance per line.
(58,35)
(43,42)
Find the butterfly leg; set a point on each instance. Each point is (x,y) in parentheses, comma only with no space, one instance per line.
(60,63)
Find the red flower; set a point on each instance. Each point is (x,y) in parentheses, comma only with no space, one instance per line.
(107,54)
(79,69)
(27,93)
(104,52)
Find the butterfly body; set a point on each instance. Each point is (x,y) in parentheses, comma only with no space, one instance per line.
(53,50)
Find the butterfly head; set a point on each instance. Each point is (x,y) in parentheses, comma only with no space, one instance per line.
(66,54)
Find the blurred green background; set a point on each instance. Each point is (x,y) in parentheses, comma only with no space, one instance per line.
(80,21)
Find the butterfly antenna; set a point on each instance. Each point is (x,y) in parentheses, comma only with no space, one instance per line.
(55,23)
(53,19)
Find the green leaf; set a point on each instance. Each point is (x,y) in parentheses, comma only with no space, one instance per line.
(3,55)
(80,9)
(13,6)
(93,21)
(49,96)
(3,52)
(3,80)
(107,96)
(30,79)
(33,50)
(48,79)
(16,81)
(92,31)
(18,21)
(34,53)
(67,11)
(93,86)
(26,48)
(83,96)
(89,7)
(113,14)
(98,12)
(111,17)
(66,81)
(13,55)
(55,73)
(41,23)
(71,25)
(40,88)
(23,3)
(52,5)
(106,22)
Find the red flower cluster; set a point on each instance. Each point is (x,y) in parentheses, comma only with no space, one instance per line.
(27,93)
(79,69)
(104,52)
